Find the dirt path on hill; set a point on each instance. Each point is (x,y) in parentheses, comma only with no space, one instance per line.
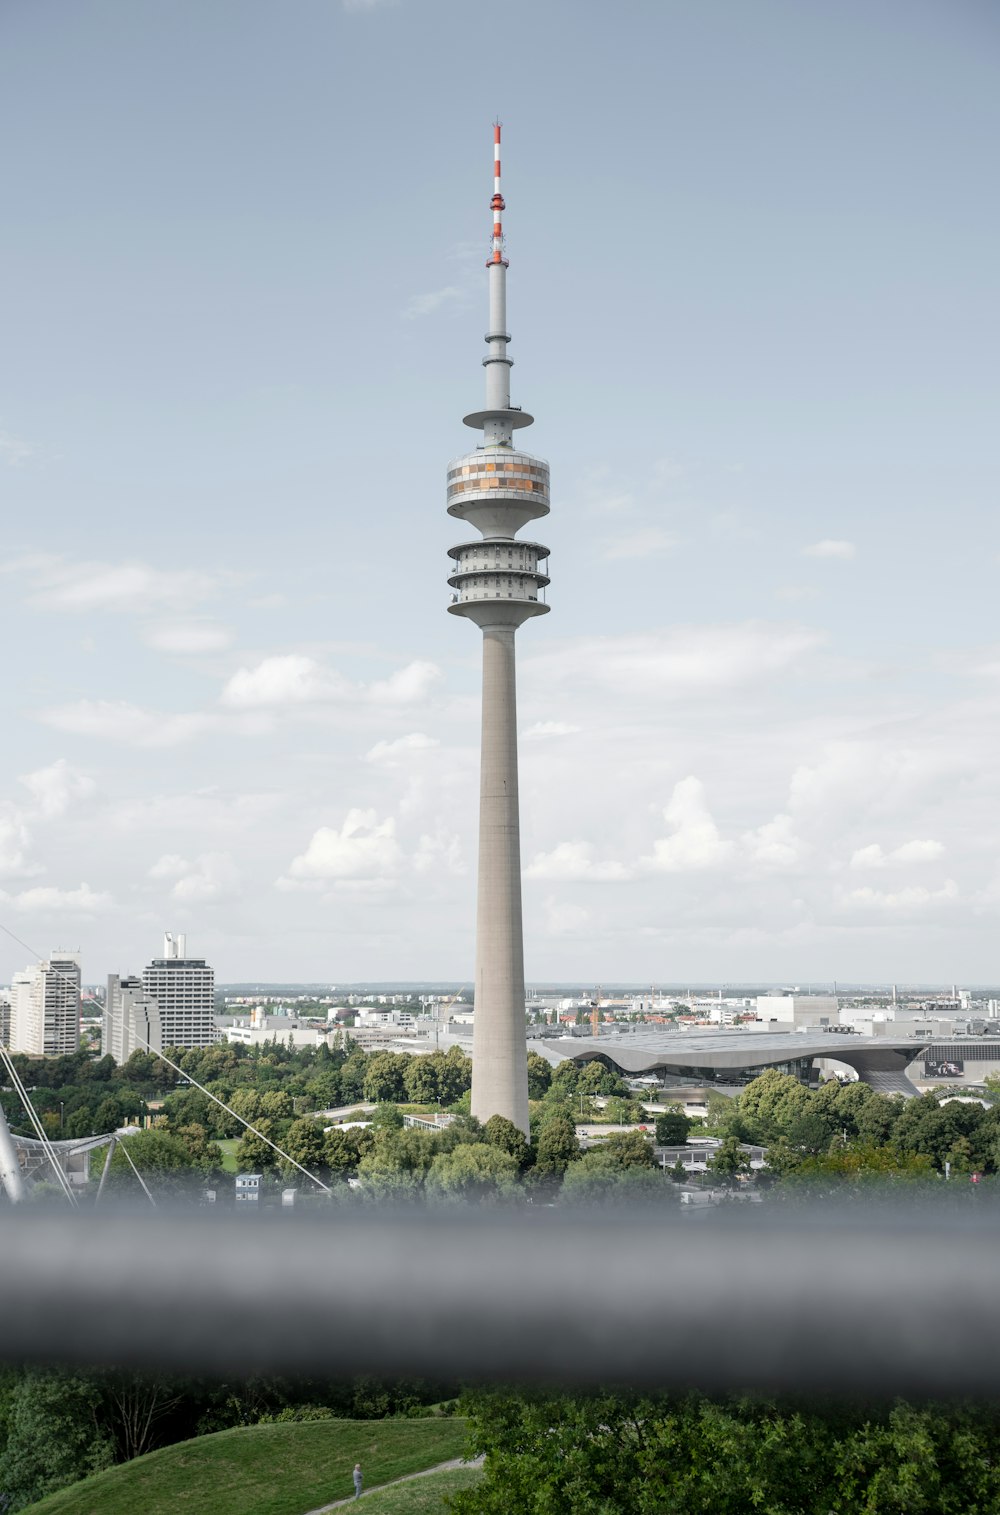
(440,1467)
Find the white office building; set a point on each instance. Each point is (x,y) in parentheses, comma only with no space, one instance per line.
(183,989)
(45,1007)
(131,1019)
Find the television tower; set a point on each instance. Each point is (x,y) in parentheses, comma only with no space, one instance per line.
(497,584)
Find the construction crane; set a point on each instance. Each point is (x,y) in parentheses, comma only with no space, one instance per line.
(442,1014)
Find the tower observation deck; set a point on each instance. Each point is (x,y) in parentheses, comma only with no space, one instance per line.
(498,582)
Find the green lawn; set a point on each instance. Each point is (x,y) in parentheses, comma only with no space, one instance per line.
(229,1154)
(262,1470)
(421,1496)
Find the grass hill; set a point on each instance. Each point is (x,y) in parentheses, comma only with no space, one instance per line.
(420,1496)
(283,1469)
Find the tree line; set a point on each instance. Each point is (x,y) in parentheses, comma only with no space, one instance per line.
(621,1453)
(851,1132)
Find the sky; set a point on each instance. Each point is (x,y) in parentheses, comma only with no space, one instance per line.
(753,292)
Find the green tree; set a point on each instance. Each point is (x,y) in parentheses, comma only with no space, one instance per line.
(352,1075)
(324,1090)
(504,1135)
(304,1141)
(565,1077)
(557,1146)
(539,1076)
(420,1081)
(672,1128)
(454,1075)
(397,1163)
(624,1149)
(202,1153)
(857,1167)
(729,1160)
(108,1115)
(163,1160)
(384,1077)
(770,1103)
(813,1130)
(876,1119)
(276,1104)
(592,1181)
(343,1150)
(622,1454)
(387,1118)
(473,1172)
(53,1437)
(254,1155)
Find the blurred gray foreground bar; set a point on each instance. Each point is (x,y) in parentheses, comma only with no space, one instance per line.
(875,1300)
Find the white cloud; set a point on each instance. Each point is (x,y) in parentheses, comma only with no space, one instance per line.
(830,547)
(796,592)
(773,846)
(187,637)
(439,299)
(13,451)
(880,773)
(45,900)
(170,865)
(561,919)
(407,686)
(646,543)
(15,840)
(55,788)
(393,754)
(439,853)
(694,843)
(118,721)
(542,730)
(210,876)
(918,851)
(294,679)
(610,503)
(912,898)
(132,587)
(364,847)
(289,680)
(684,660)
(573,862)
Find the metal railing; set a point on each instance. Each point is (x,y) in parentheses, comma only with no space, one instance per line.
(808,1299)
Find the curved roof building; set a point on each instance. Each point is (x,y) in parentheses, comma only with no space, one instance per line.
(708,1057)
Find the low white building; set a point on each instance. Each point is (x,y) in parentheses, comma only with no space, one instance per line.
(794,1010)
(275,1028)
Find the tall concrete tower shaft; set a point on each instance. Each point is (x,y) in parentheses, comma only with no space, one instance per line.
(498,584)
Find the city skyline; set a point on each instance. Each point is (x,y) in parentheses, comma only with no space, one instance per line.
(757,300)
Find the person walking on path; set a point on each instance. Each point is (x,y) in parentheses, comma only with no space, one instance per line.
(358,1480)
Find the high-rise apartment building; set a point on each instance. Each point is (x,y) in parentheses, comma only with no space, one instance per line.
(4,1018)
(131,1019)
(184,991)
(45,1007)
(498,584)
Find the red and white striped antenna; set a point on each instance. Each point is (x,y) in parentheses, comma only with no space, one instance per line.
(497,202)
